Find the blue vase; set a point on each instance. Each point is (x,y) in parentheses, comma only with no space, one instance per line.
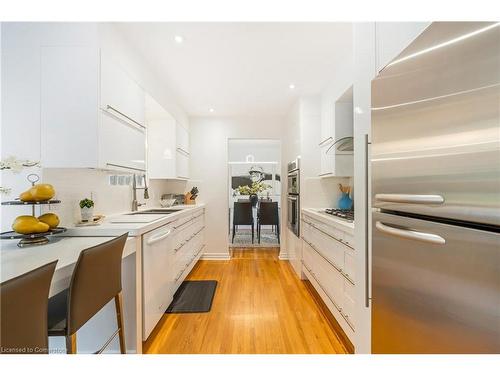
(345,202)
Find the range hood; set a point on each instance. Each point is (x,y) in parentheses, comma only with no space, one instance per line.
(343,145)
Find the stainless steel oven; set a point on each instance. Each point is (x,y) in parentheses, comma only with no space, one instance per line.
(293,210)
(293,199)
(293,177)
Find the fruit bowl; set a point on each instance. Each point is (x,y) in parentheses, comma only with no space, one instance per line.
(31,239)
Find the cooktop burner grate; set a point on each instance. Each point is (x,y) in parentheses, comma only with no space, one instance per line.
(347,215)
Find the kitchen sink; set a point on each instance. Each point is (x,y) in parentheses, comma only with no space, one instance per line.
(156,211)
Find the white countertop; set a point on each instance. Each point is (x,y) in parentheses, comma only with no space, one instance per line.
(143,224)
(15,261)
(319,214)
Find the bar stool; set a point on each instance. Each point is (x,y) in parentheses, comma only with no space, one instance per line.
(23,312)
(96,280)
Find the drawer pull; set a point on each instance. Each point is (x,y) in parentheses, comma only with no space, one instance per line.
(339,309)
(410,234)
(410,198)
(331,263)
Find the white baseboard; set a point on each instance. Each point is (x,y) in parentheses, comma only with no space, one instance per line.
(216,256)
(283,255)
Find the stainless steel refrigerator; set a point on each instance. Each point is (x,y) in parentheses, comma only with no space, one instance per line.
(435,159)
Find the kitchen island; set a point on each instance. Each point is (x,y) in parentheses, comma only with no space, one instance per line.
(15,261)
(66,248)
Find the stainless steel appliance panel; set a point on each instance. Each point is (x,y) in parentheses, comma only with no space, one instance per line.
(436,125)
(436,287)
(293,182)
(293,211)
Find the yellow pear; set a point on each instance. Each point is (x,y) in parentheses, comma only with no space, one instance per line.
(42,192)
(29,224)
(50,219)
(37,193)
(26,197)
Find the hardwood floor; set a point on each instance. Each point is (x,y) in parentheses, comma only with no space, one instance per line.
(260,307)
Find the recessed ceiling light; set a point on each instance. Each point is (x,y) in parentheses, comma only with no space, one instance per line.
(212,110)
(178,39)
(291,86)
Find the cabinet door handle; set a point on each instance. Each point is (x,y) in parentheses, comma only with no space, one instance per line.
(115,111)
(324,141)
(159,237)
(182,151)
(124,166)
(367,220)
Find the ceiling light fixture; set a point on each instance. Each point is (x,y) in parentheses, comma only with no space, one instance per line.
(178,39)
(291,86)
(212,110)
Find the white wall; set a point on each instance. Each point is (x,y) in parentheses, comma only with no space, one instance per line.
(20,132)
(262,149)
(209,157)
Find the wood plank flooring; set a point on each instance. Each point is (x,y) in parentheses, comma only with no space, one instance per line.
(260,307)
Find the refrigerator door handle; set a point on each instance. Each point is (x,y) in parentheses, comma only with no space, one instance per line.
(410,198)
(410,234)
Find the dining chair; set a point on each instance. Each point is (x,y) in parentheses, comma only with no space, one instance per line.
(268,215)
(243,215)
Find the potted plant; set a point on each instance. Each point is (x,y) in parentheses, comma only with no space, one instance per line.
(87,209)
(253,190)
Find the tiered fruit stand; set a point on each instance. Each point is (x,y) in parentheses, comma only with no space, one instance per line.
(34,238)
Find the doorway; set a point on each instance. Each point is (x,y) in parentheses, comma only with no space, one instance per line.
(254,187)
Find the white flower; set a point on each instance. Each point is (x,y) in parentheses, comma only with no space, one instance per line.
(16,165)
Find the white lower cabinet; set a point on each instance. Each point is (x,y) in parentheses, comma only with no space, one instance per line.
(329,264)
(157,276)
(169,254)
(348,304)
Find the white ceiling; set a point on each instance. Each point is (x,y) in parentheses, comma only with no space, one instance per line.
(242,69)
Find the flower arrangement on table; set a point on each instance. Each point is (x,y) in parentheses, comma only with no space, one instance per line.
(253,190)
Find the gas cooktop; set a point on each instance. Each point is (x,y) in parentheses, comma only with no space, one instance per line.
(347,215)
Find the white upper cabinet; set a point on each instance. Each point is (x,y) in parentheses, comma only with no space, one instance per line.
(79,130)
(336,136)
(182,139)
(69,107)
(182,153)
(161,141)
(182,165)
(393,37)
(121,145)
(120,94)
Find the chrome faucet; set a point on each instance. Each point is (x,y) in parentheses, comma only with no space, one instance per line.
(136,205)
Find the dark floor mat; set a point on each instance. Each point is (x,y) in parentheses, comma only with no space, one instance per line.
(193,296)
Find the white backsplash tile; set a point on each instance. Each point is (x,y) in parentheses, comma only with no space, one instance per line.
(72,185)
(322,192)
